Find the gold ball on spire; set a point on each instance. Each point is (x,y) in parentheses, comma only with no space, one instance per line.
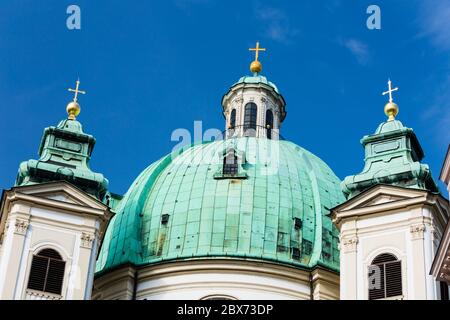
(256,67)
(73,110)
(391,110)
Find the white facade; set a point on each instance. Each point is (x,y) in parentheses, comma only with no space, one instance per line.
(54,216)
(212,278)
(406,223)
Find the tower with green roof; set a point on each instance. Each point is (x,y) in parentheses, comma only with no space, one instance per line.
(392,223)
(64,154)
(228,215)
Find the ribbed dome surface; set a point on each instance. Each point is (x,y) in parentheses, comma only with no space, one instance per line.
(182,207)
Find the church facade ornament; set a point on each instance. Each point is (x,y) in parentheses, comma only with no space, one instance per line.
(417,231)
(21,226)
(349,244)
(87,239)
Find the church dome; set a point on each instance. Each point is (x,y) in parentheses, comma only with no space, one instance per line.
(257,79)
(183,207)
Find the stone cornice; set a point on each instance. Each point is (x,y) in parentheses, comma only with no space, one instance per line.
(356,207)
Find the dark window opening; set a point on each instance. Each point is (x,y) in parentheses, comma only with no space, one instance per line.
(233,119)
(250,115)
(296,253)
(47,272)
(444,291)
(165,218)
(297,223)
(385,277)
(230,163)
(269,123)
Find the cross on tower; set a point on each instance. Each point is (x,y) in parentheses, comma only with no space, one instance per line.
(390,90)
(76,91)
(257,49)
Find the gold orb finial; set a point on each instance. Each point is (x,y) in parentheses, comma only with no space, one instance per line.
(256,66)
(391,108)
(73,108)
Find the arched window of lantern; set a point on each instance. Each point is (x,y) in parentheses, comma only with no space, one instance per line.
(250,116)
(269,123)
(385,277)
(47,272)
(233,119)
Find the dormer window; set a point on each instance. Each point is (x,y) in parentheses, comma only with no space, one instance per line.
(230,163)
(269,123)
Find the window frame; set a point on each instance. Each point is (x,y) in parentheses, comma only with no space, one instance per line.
(269,126)
(250,117)
(394,260)
(38,254)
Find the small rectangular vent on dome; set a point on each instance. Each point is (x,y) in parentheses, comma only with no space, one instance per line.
(296,253)
(298,223)
(165,218)
(307,246)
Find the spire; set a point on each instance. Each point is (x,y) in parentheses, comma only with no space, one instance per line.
(64,154)
(391,108)
(393,156)
(256,66)
(73,108)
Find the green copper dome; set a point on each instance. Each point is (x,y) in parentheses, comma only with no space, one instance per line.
(257,79)
(276,208)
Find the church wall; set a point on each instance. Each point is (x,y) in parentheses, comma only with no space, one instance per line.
(200,279)
(36,223)
(408,233)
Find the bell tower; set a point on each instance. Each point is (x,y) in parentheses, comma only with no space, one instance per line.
(253,107)
(53,220)
(393,219)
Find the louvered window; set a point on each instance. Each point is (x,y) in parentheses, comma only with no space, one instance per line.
(47,272)
(385,277)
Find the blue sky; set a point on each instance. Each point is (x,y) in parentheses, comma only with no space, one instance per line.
(150,67)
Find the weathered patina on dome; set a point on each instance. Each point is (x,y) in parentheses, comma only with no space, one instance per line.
(257,79)
(240,218)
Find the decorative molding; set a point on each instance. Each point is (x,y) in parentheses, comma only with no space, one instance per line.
(21,226)
(87,239)
(350,244)
(40,295)
(417,231)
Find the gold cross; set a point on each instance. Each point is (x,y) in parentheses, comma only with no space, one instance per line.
(77,91)
(257,49)
(390,90)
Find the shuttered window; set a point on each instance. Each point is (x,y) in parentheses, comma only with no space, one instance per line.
(47,272)
(385,277)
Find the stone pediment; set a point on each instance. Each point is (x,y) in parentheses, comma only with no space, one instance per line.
(381,198)
(61,192)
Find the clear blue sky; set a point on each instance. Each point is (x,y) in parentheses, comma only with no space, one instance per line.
(150,67)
